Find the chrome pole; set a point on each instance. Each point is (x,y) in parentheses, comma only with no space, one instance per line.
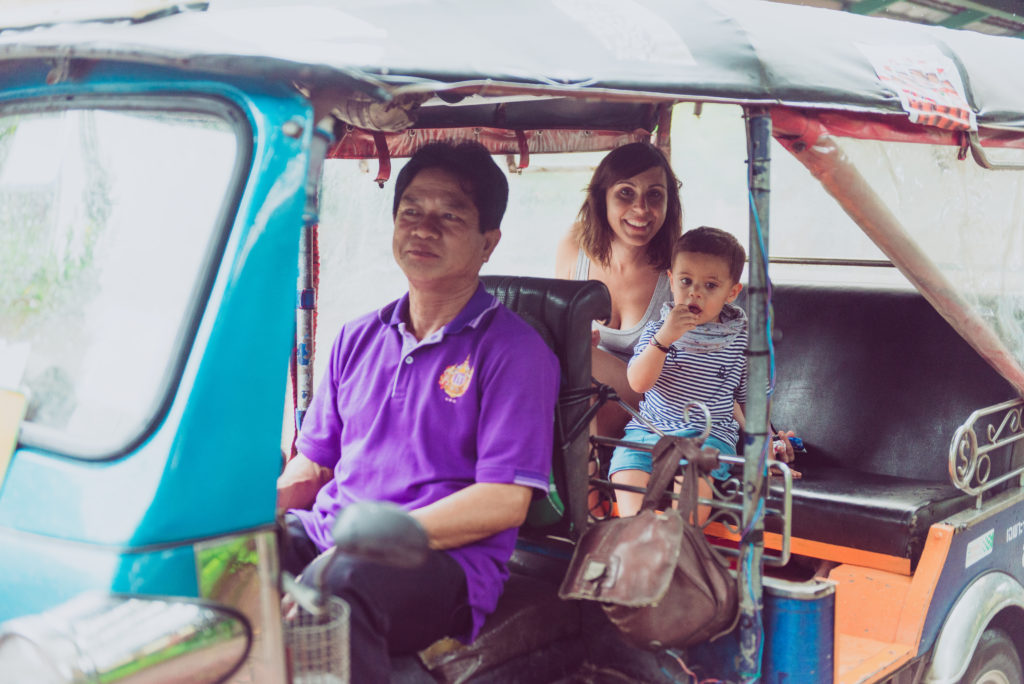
(749,570)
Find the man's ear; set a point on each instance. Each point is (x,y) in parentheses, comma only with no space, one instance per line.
(491,240)
(734,292)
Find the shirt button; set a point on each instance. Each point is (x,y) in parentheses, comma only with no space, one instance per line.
(408,360)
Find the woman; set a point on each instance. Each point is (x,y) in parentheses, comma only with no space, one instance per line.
(623,237)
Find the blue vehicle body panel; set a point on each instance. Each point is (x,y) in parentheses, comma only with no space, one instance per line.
(992,544)
(209,461)
(42,572)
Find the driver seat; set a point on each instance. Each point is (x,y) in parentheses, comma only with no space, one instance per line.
(527,633)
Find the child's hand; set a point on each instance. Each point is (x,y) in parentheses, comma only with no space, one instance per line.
(783,449)
(595,338)
(679,321)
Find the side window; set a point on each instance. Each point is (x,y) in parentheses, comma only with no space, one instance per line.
(356,225)
(107,219)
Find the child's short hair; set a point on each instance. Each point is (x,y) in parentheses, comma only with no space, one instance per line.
(715,242)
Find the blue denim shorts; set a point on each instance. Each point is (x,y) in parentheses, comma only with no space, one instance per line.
(625,458)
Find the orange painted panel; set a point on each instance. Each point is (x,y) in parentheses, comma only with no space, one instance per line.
(880,606)
(926,577)
(816,549)
(880,615)
(869,602)
(867,660)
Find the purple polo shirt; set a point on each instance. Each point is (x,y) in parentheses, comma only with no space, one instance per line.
(412,421)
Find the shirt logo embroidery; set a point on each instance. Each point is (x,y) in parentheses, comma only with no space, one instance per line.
(455,379)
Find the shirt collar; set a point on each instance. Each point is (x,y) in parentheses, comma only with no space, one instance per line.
(472,313)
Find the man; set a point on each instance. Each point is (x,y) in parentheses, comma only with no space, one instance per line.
(441,402)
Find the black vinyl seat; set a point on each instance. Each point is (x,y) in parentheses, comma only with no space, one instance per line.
(868,511)
(562,312)
(875,383)
(531,626)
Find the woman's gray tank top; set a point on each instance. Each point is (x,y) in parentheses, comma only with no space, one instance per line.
(621,342)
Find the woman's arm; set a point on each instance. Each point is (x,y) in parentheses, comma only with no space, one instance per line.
(566,255)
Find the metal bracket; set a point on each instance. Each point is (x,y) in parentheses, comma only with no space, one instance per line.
(978,152)
(970,466)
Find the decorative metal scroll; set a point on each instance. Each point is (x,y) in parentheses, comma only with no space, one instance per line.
(726,506)
(970,462)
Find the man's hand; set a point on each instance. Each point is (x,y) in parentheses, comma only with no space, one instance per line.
(298,485)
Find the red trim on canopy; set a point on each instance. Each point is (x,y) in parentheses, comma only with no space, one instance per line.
(808,125)
(359,144)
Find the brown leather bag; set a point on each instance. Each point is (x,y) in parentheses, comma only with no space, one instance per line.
(655,574)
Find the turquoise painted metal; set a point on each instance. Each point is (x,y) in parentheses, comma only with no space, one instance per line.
(208,463)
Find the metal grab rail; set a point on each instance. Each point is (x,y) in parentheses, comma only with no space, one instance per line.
(726,504)
(970,465)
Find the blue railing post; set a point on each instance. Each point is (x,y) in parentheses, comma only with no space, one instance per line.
(305,306)
(749,570)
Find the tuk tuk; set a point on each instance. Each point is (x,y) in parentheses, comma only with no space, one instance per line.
(173,175)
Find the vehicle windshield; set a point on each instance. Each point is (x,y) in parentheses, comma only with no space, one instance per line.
(106,220)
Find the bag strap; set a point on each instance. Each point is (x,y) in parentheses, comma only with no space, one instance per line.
(665,460)
(688,492)
(666,456)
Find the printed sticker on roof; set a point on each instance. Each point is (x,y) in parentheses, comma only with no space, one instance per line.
(928,85)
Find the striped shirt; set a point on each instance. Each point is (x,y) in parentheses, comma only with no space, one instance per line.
(716,378)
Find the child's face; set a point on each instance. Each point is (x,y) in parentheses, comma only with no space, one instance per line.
(702,283)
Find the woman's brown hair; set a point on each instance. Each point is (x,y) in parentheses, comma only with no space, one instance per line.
(592,231)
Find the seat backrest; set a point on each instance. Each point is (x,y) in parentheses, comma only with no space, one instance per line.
(562,312)
(875,380)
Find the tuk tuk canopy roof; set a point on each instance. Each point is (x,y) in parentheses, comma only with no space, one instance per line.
(608,64)
(745,51)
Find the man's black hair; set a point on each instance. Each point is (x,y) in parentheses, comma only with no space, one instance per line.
(478,175)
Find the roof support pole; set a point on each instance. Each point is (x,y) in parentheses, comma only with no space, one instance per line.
(749,570)
(821,153)
(309,266)
(305,334)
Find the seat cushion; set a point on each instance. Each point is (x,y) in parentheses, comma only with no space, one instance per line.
(876,383)
(868,511)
